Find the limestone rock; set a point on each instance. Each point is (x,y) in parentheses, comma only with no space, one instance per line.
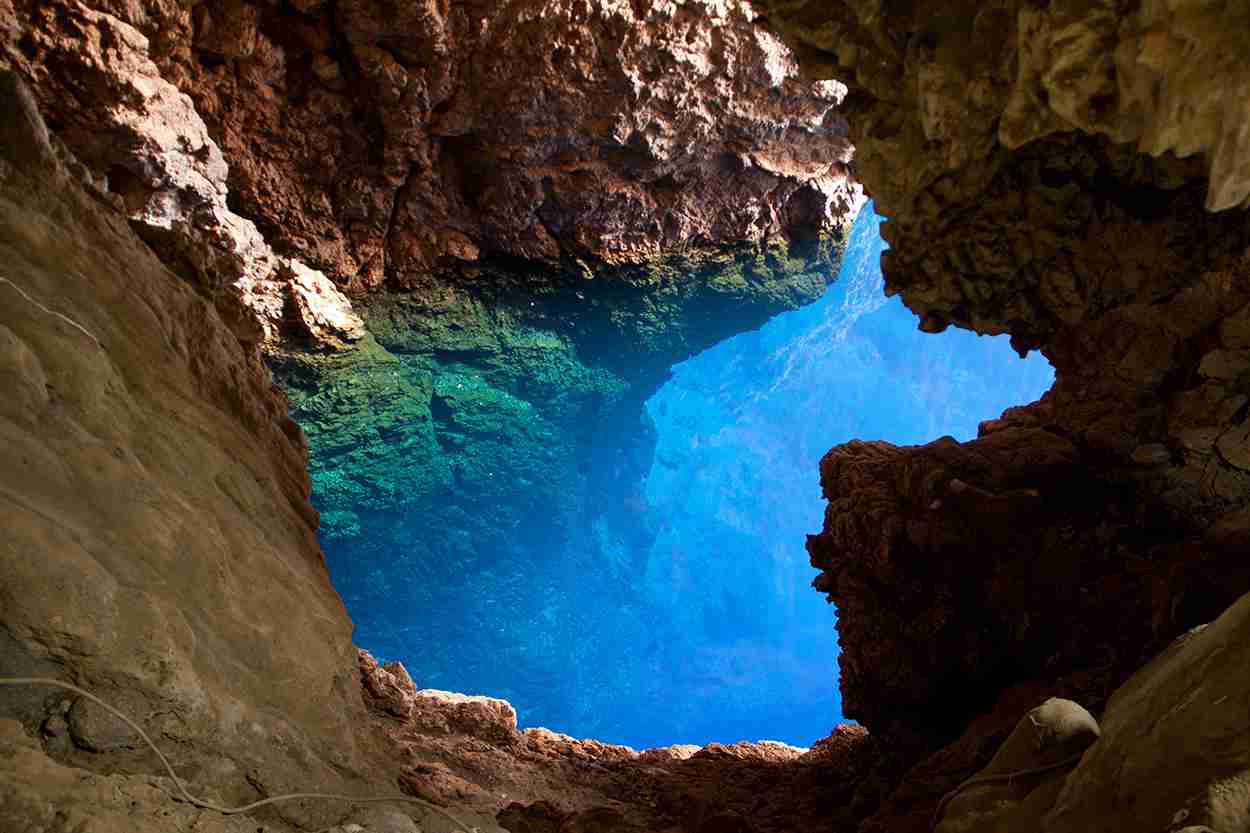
(158,540)
(1175,750)
(37,793)
(95,730)
(467,752)
(488,718)
(1025,774)
(375,146)
(1047,170)
(159,158)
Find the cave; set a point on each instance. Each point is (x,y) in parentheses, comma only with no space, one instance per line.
(657,593)
(356,354)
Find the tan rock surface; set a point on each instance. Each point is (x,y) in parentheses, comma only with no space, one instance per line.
(1172,753)
(1175,751)
(158,542)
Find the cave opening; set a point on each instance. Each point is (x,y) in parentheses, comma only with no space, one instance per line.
(509,519)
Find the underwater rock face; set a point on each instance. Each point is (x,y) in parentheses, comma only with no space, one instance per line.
(383,144)
(1011,148)
(480,464)
(739,426)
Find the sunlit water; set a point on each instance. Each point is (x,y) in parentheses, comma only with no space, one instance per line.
(713,633)
(742,428)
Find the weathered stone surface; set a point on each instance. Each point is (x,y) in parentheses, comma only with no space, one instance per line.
(94,729)
(1171,753)
(538,780)
(95,72)
(1175,750)
(377,144)
(158,542)
(1003,142)
(38,793)
(1026,772)
(541,130)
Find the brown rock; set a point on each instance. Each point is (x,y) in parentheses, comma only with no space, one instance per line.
(1042,179)
(96,730)
(1025,774)
(1176,741)
(487,718)
(146,136)
(466,751)
(376,146)
(158,544)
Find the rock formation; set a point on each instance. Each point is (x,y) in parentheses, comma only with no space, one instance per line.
(524,261)
(1073,174)
(1171,753)
(1070,175)
(385,146)
(160,552)
(158,541)
(467,752)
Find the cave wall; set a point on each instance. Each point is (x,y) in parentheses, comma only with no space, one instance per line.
(1073,176)
(467,286)
(385,144)
(159,544)
(1070,174)
(267,187)
(471,241)
(160,553)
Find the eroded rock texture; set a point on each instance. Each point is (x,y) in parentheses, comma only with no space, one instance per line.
(1069,174)
(159,545)
(376,142)
(468,752)
(536,207)
(1170,753)
(159,551)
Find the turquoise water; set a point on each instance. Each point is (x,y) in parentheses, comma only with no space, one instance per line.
(742,428)
(681,613)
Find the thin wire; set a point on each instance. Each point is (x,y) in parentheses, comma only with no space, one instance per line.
(1001,776)
(208,805)
(53,312)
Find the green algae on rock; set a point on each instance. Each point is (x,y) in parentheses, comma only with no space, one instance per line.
(499,380)
(485,423)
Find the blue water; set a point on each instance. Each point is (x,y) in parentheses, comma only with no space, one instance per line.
(742,428)
(711,632)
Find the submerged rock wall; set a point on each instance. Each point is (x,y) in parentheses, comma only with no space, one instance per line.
(527,410)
